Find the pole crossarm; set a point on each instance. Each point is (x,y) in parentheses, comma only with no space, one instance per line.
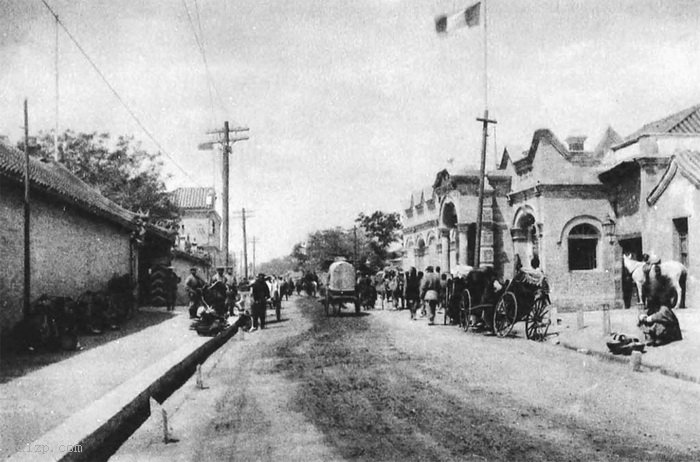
(226,143)
(231,130)
(487,121)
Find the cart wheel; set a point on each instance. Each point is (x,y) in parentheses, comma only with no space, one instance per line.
(538,321)
(505,314)
(464,310)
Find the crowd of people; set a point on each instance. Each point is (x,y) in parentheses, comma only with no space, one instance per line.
(412,290)
(214,303)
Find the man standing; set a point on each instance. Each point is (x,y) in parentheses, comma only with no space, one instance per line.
(412,292)
(171,282)
(194,285)
(219,282)
(430,288)
(260,293)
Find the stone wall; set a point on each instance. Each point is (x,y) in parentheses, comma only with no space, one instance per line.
(71,251)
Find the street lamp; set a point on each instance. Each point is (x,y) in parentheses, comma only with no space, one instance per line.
(609,228)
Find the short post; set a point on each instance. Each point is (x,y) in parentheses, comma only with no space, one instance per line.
(200,382)
(579,318)
(166,433)
(636,361)
(606,319)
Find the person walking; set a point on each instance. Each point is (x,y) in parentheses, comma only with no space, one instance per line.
(412,292)
(260,293)
(430,288)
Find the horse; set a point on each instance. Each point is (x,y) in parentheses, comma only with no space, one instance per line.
(674,271)
(310,287)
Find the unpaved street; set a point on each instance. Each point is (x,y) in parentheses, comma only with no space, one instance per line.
(380,387)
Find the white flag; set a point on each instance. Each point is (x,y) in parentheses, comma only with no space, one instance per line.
(468,17)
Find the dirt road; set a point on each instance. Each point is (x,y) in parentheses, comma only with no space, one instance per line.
(380,387)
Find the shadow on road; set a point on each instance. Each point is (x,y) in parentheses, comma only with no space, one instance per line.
(16,364)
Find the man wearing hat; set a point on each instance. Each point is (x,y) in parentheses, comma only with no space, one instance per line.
(194,285)
(260,292)
(219,276)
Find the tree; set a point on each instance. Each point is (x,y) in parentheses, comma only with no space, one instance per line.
(382,229)
(120,169)
(324,246)
(278,266)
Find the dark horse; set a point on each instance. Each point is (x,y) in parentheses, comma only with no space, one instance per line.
(484,291)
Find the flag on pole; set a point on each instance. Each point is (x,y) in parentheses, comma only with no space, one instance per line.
(468,17)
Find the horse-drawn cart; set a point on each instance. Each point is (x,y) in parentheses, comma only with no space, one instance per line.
(480,302)
(340,288)
(526,298)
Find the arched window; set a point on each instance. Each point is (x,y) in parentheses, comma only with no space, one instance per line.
(583,247)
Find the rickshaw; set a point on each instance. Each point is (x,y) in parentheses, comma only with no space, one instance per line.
(340,288)
(474,295)
(526,298)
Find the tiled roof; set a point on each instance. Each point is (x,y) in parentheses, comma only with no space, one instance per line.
(193,198)
(56,180)
(686,121)
(685,162)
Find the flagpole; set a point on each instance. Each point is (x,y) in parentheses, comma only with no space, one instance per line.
(486,60)
(482,171)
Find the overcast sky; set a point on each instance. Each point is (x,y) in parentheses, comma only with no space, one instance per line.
(351,104)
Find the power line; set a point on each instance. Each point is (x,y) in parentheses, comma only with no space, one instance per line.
(116,94)
(199,38)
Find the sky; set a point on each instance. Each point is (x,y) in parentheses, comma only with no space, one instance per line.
(351,105)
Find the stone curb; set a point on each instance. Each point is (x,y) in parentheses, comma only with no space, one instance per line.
(101,428)
(625,360)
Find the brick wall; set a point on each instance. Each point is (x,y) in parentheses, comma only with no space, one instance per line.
(71,251)
(589,289)
(681,199)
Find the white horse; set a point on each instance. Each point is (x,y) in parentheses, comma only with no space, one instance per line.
(675,271)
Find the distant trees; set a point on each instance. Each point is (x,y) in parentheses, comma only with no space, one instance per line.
(368,244)
(278,266)
(119,168)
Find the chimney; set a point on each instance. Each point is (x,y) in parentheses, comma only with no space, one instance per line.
(576,141)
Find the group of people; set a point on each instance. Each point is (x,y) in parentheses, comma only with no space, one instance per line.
(220,294)
(220,297)
(413,289)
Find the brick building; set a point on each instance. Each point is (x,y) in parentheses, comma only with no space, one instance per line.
(576,209)
(200,223)
(78,238)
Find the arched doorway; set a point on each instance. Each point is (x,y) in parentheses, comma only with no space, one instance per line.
(448,229)
(525,236)
(419,254)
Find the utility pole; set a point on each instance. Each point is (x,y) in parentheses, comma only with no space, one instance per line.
(226,145)
(354,247)
(27,260)
(482,174)
(254,241)
(243,215)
